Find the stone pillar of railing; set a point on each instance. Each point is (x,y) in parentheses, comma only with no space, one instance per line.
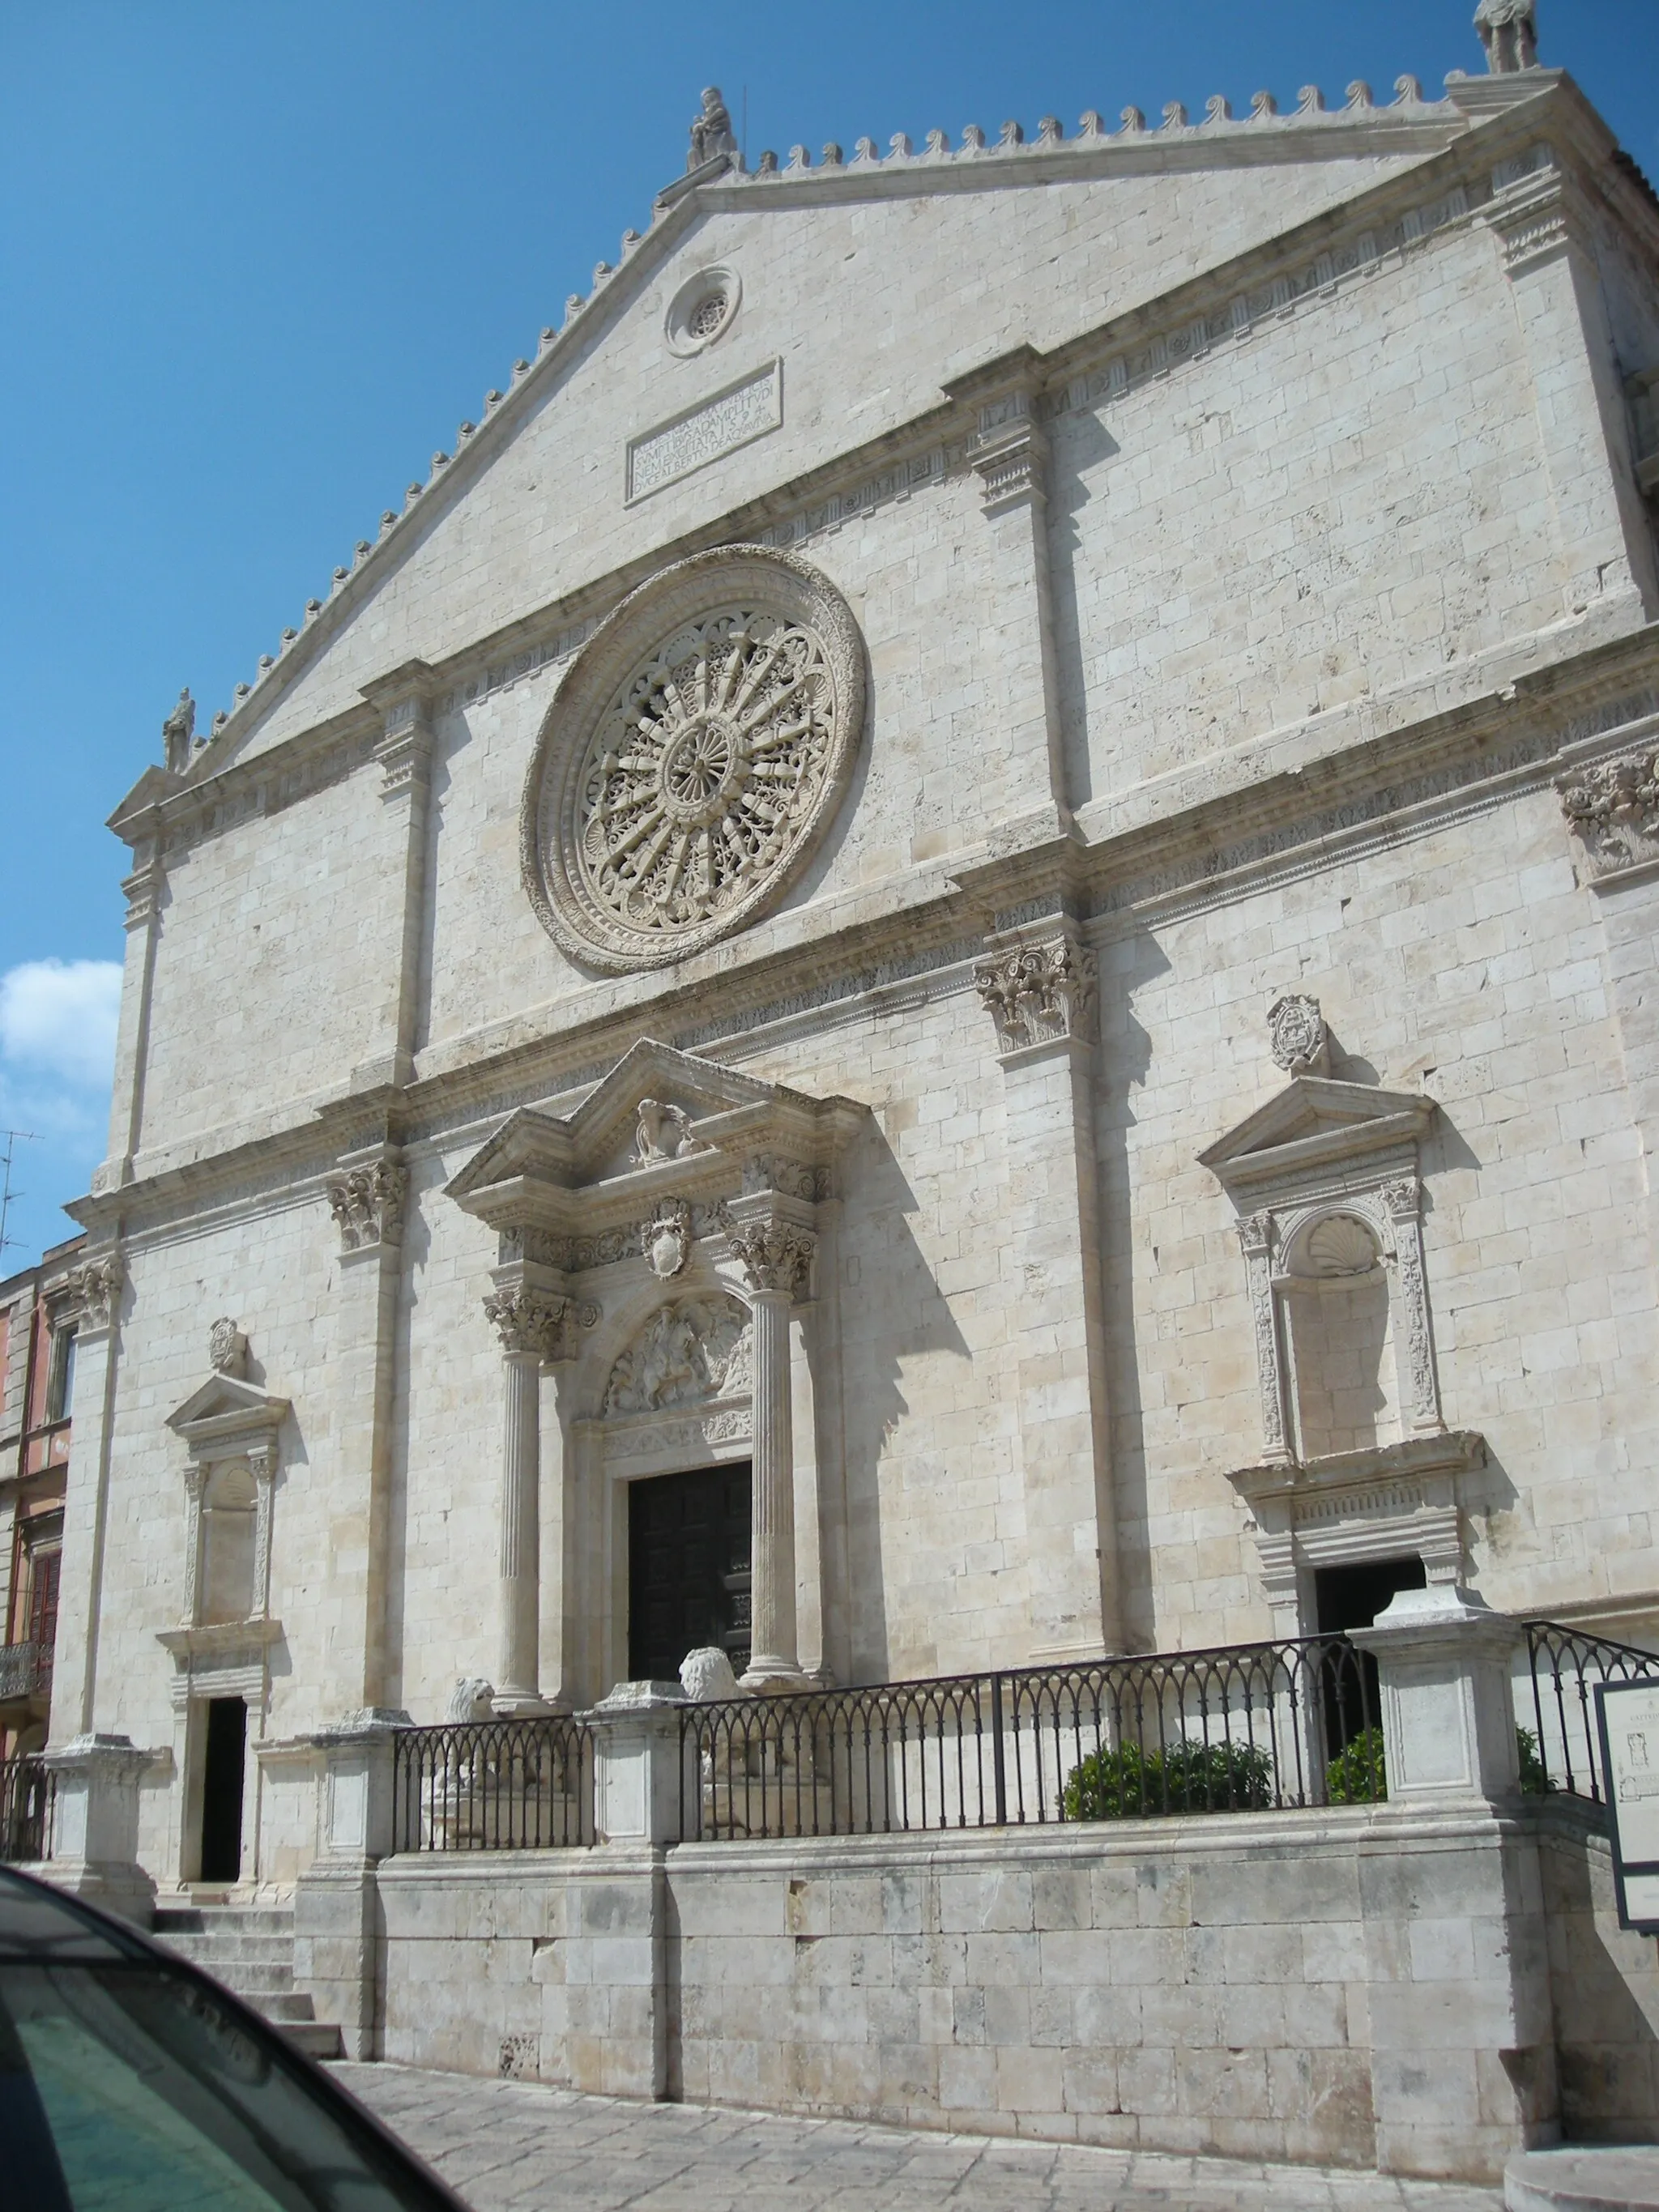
(776,1255)
(94,1842)
(616,1993)
(1462,2039)
(336,1945)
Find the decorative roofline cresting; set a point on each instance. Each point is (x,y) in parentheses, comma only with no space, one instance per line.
(693,758)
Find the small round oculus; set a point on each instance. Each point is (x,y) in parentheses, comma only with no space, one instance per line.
(701,311)
(693,758)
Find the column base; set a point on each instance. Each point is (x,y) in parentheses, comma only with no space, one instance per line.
(125,1891)
(771,1678)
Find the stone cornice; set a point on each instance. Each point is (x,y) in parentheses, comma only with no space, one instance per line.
(1395,782)
(220,787)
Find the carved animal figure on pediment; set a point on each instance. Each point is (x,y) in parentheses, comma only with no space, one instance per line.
(471,1699)
(663,1132)
(1509,32)
(711,130)
(706,1676)
(695,1350)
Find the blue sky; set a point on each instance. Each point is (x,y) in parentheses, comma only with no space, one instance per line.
(259,258)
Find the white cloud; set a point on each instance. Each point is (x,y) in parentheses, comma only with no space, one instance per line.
(58,1016)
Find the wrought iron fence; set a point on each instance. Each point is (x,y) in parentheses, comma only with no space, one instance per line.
(1247,1728)
(27,1799)
(505,1785)
(1565,1665)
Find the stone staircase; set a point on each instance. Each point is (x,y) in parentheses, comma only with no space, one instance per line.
(250,1949)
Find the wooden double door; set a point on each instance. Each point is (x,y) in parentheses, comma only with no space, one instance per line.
(689,1540)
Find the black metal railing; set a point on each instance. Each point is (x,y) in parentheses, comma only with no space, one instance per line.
(25,1669)
(504,1785)
(27,1797)
(1565,1665)
(1246,1729)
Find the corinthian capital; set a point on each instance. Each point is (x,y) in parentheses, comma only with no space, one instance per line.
(367,1203)
(528,1322)
(94,1289)
(774,1255)
(1037,994)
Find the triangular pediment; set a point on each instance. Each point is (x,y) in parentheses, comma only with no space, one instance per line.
(226,1406)
(1314,1120)
(1144,211)
(658,1109)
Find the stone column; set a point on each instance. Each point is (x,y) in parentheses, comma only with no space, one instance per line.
(776,1255)
(531,1325)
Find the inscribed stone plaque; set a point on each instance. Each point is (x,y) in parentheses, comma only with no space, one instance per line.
(745,410)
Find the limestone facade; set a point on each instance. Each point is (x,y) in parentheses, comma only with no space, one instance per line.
(991,846)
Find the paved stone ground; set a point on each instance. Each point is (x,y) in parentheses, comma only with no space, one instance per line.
(519,2147)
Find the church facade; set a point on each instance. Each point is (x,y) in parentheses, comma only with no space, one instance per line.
(944,962)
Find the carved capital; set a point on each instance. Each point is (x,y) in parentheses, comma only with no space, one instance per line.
(774,1255)
(367,1203)
(1533,221)
(1255,1234)
(95,1290)
(1404,1200)
(1613,809)
(1008,452)
(143,890)
(1037,994)
(532,1321)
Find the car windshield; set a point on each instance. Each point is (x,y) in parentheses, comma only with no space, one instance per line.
(127,2084)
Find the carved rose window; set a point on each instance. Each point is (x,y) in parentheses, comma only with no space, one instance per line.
(692,759)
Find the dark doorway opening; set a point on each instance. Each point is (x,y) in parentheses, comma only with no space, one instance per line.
(223,1769)
(687,1568)
(1352,1597)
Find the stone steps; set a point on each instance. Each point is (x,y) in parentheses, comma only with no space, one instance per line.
(249,1950)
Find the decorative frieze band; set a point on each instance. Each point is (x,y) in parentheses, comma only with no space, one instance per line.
(1038,994)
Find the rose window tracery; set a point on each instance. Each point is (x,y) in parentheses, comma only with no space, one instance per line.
(678,788)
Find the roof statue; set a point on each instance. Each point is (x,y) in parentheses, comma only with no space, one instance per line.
(711,130)
(1509,32)
(179,733)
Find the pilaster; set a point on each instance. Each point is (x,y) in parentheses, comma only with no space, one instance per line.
(396,876)
(1025,799)
(1603,541)
(368,1193)
(95,1290)
(1038,983)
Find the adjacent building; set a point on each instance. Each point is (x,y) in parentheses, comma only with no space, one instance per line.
(38,1307)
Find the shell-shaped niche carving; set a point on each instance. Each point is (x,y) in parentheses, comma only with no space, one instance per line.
(1339,1245)
(694,757)
(687,1352)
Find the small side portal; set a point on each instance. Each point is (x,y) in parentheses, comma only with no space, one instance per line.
(223,1773)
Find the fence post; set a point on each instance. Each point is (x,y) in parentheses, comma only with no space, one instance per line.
(93,1845)
(998,1769)
(1462,2034)
(637,1763)
(337,1919)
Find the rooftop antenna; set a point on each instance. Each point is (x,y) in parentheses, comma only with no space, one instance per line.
(14,1137)
(743,137)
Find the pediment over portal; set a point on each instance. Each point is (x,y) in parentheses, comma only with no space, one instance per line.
(662,1123)
(1315,1123)
(227,1412)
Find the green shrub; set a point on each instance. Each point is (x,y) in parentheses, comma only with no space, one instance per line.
(1188,1776)
(1358,1773)
(1534,1782)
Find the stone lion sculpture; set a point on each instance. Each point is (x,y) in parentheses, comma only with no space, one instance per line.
(706,1676)
(471,1699)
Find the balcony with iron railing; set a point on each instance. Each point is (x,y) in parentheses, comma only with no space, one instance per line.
(25,1670)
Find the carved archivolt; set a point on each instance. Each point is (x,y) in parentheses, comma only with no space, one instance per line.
(686,1353)
(693,757)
